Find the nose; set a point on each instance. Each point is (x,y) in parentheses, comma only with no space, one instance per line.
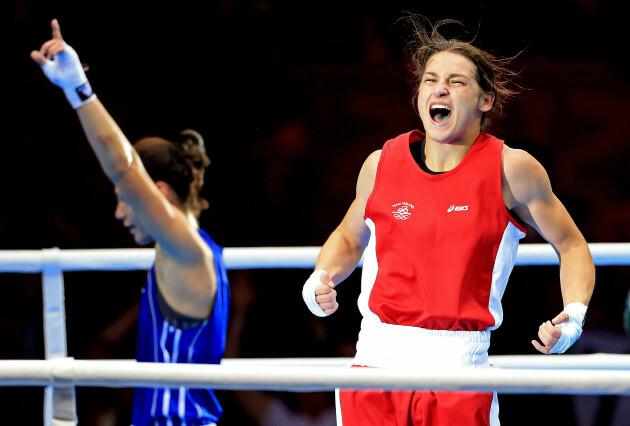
(119,212)
(441,88)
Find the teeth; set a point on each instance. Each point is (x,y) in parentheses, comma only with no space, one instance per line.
(440,113)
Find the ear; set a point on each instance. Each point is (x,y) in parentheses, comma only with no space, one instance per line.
(166,190)
(486,100)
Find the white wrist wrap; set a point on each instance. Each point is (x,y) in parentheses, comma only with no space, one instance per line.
(66,72)
(308,293)
(572,329)
(80,95)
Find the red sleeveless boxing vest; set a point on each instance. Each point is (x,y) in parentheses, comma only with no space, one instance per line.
(442,246)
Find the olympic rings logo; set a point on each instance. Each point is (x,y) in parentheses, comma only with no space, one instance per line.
(402,213)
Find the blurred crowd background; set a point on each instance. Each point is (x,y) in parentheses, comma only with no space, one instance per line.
(291,97)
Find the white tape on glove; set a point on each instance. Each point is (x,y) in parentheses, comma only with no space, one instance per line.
(66,72)
(572,329)
(308,293)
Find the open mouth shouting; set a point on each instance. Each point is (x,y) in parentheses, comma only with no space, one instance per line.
(440,113)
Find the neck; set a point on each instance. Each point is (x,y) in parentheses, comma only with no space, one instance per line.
(192,219)
(445,156)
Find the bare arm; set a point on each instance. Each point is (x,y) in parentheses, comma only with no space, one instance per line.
(186,274)
(527,191)
(343,249)
(168,225)
(184,262)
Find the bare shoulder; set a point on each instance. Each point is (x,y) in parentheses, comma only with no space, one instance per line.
(523,176)
(518,161)
(370,165)
(371,161)
(367,175)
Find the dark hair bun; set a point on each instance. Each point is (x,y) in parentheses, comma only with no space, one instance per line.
(181,163)
(192,142)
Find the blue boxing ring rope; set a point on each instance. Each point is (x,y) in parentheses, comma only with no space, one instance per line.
(59,374)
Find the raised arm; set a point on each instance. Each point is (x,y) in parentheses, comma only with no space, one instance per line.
(343,249)
(166,224)
(184,262)
(527,191)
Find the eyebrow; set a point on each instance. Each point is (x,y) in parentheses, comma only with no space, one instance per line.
(454,75)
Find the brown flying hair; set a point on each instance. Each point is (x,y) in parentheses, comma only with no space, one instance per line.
(493,74)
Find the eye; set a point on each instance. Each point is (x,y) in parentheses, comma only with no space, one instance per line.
(428,80)
(457,83)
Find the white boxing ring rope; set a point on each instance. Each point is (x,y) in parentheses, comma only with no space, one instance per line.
(65,373)
(568,374)
(30,261)
(600,361)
